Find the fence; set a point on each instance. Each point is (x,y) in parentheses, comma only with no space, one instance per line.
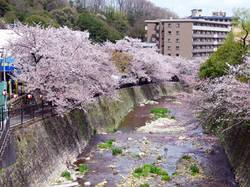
(5,130)
(24,114)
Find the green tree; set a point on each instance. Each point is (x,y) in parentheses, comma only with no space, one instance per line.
(98,29)
(43,17)
(65,16)
(5,6)
(120,22)
(9,17)
(241,20)
(230,52)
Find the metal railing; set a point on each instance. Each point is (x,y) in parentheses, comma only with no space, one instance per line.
(5,127)
(24,114)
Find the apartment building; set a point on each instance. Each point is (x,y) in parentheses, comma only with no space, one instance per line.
(189,38)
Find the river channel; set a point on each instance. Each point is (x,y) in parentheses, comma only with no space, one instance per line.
(202,150)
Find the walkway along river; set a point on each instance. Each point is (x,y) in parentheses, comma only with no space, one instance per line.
(177,146)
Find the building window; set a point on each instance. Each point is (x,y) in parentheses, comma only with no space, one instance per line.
(177,40)
(169,40)
(177,25)
(169,47)
(162,46)
(169,25)
(162,39)
(162,24)
(177,47)
(177,55)
(169,54)
(177,32)
(169,32)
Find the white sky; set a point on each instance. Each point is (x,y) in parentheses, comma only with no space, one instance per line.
(183,7)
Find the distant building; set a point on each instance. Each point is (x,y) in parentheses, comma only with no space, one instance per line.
(189,38)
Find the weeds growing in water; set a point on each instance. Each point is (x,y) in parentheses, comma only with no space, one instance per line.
(116,151)
(194,169)
(186,157)
(159,157)
(66,174)
(165,177)
(144,185)
(135,155)
(108,144)
(159,111)
(138,172)
(83,167)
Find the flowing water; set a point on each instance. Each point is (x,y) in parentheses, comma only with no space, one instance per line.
(205,151)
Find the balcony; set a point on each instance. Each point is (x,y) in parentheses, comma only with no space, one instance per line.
(203,50)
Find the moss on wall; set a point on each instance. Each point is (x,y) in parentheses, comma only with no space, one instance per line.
(42,147)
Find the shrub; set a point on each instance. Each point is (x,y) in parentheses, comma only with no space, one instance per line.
(172,117)
(116,151)
(83,167)
(194,169)
(94,131)
(144,175)
(66,174)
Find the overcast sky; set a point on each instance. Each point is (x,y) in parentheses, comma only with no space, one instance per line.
(183,7)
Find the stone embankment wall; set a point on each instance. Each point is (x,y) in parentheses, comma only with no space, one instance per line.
(236,142)
(42,147)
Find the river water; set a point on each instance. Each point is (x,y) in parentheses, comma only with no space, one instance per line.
(205,151)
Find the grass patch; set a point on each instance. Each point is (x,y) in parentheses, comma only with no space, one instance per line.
(107,145)
(194,169)
(58,181)
(159,157)
(165,177)
(186,157)
(148,168)
(66,174)
(172,117)
(116,151)
(144,185)
(138,170)
(135,155)
(123,155)
(159,111)
(83,167)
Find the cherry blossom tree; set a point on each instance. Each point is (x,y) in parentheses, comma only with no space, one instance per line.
(55,61)
(222,98)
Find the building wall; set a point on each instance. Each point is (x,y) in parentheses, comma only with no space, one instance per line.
(196,38)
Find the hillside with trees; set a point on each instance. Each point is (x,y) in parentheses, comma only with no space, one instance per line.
(104,19)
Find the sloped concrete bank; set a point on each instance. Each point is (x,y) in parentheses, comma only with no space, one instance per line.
(42,147)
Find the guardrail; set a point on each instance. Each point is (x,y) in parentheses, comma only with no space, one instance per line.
(5,130)
(24,114)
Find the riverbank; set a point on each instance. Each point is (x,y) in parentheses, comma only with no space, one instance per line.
(42,147)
